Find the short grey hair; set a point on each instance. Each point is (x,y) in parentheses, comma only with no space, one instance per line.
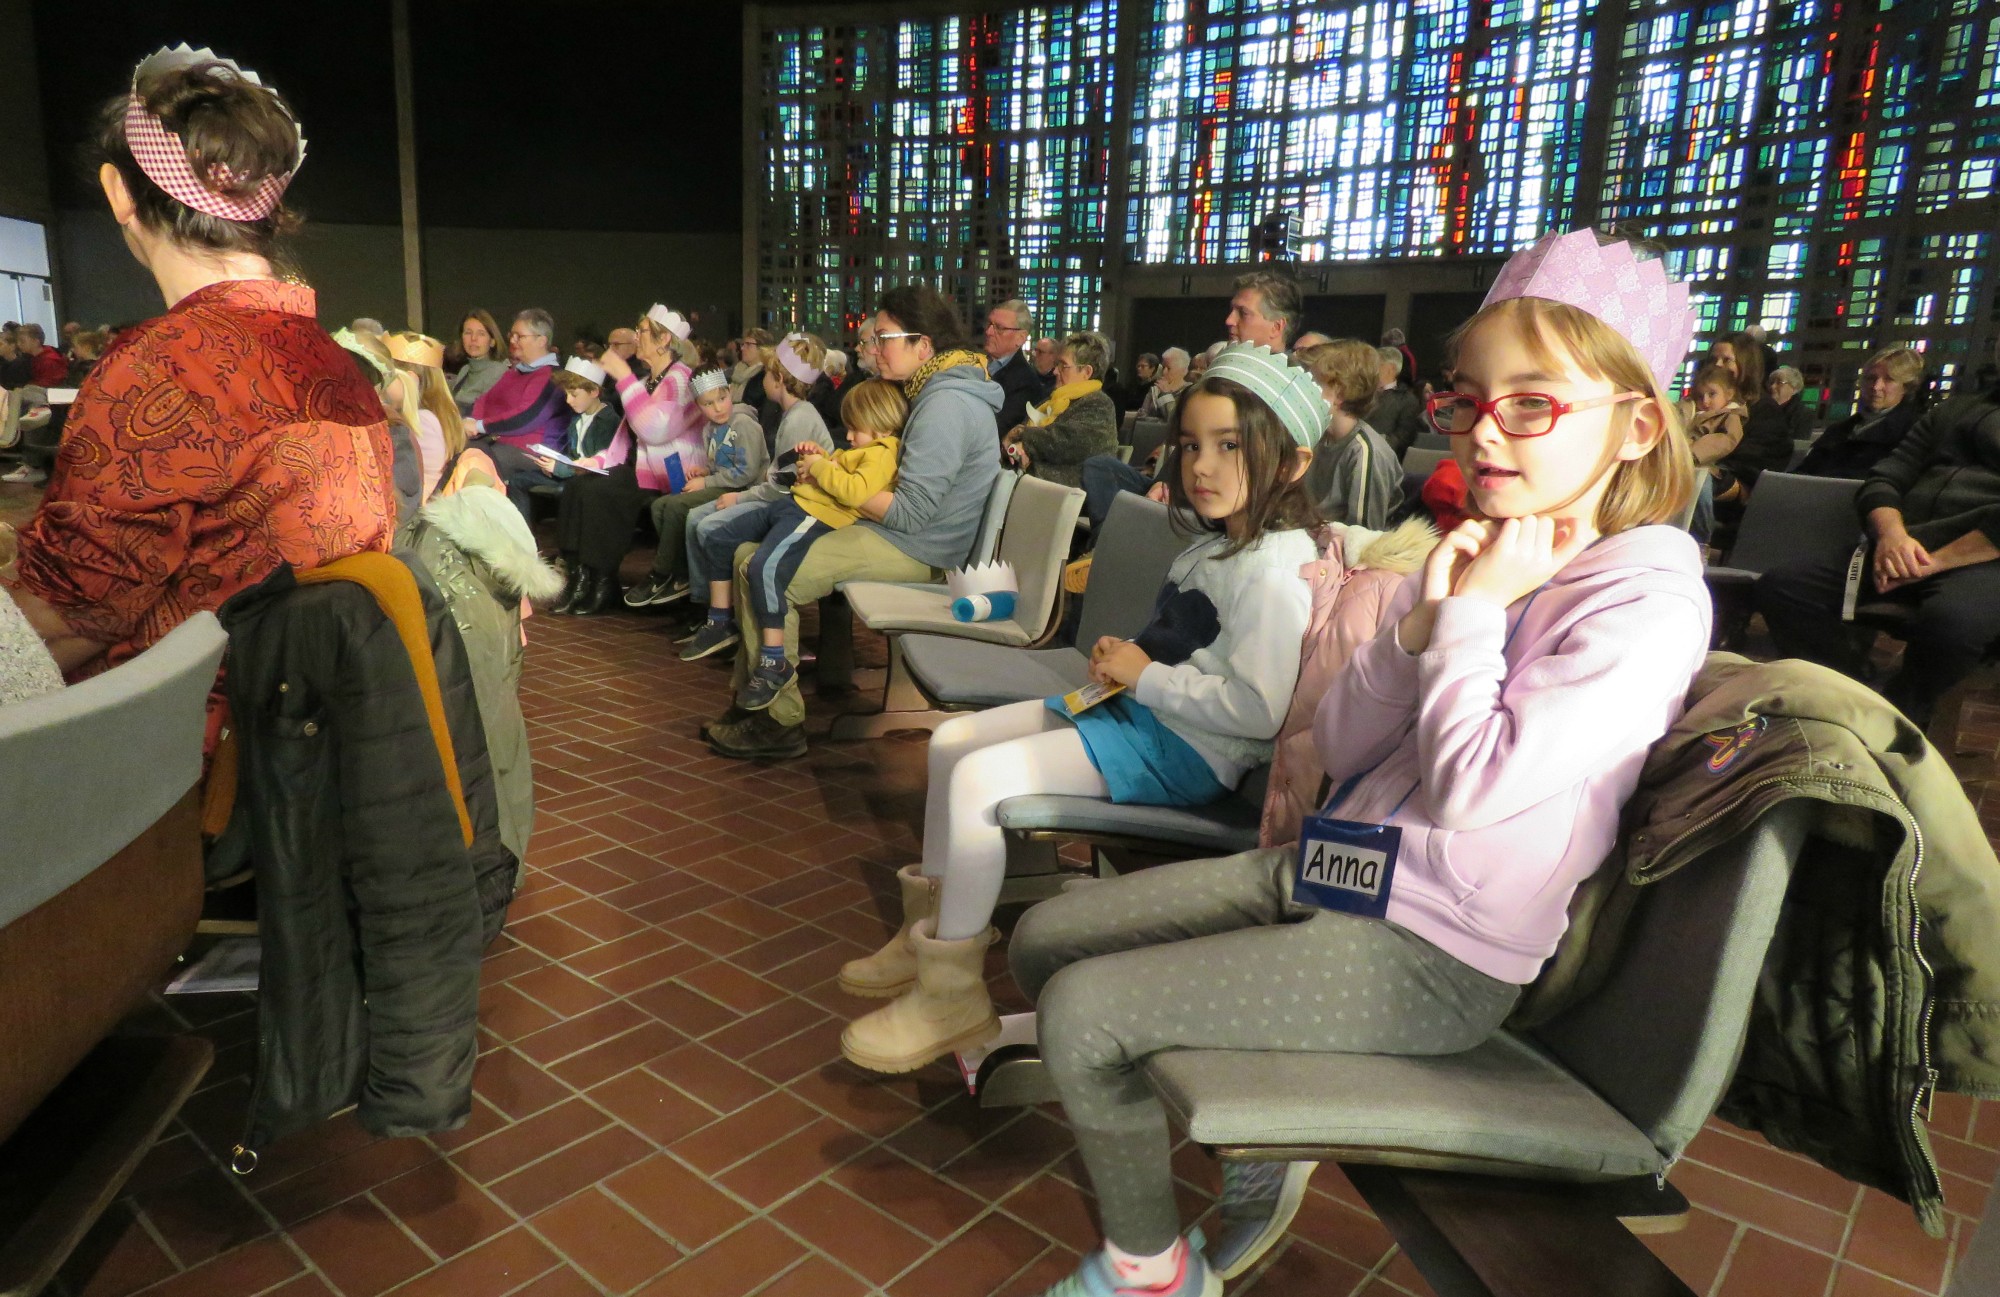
(540,321)
(1177,357)
(1790,377)
(1390,356)
(1024,315)
(836,362)
(368,324)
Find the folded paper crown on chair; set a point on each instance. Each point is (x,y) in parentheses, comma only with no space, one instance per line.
(163,155)
(1609,281)
(983,592)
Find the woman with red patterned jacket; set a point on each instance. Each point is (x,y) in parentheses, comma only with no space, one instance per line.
(230,435)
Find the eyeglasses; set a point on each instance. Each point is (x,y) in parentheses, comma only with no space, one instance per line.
(1520,415)
(884,337)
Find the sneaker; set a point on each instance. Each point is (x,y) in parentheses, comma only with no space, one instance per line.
(1095,1278)
(713,637)
(757,738)
(655,590)
(26,475)
(765,684)
(1259,1200)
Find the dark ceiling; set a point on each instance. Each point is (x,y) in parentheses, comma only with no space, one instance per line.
(551,116)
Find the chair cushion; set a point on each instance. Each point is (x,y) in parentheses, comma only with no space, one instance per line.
(1503,1100)
(967,673)
(1225,827)
(890,608)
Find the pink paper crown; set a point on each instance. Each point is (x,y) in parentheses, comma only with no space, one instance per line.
(163,156)
(1634,297)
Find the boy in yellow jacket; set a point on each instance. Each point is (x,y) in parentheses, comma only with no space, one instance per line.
(828,494)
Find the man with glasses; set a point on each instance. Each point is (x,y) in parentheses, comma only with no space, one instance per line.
(1009,326)
(524,408)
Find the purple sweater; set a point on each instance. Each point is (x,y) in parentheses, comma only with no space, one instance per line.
(1517,737)
(524,409)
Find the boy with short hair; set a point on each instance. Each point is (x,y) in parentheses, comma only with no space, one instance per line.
(589,430)
(734,444)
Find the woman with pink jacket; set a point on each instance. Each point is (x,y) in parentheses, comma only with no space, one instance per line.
(656,449)
(1479,747)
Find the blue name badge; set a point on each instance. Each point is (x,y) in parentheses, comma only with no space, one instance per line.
(1345,865)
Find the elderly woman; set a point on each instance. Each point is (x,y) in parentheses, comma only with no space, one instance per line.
(276,451)
(1078,421)
(1167,388)
(1887,409)
(1931,510)
(656,449)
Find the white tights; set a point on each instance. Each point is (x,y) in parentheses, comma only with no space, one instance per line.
(976,762)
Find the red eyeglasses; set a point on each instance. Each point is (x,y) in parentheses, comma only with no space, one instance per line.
(1520,414)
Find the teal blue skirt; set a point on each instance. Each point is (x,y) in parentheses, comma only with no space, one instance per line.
(1144,762)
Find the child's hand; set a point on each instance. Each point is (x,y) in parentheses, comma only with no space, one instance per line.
(1450,557)
(727,500)
(807,449)
(1521,556)
(1122,663)
(547,465)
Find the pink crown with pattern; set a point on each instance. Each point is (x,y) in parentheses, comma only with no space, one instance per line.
(1608,281)
(163,155)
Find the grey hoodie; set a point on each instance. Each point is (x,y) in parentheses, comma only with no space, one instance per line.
(949,464)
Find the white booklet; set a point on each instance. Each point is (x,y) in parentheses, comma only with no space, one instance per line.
(548,452)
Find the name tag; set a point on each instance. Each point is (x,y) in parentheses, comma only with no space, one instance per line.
(1346,865)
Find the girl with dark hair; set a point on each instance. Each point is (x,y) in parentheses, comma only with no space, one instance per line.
(272,450)
(1191,704)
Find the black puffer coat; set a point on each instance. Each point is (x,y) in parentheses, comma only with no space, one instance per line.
(372,909)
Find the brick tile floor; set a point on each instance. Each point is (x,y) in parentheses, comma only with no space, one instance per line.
(661,1107)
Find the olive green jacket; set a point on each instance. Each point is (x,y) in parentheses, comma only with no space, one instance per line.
(1883,982)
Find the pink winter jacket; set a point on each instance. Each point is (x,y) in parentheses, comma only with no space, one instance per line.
(668,423)
(1513,740)
(1349,595)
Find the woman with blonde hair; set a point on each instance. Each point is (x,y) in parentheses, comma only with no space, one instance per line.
(440,429)
(398,394)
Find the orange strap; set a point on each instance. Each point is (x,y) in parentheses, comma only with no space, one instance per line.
(385,577)
(218,789)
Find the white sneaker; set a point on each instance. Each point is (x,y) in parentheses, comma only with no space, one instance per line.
(25,474)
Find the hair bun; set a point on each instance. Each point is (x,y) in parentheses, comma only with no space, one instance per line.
(237,133)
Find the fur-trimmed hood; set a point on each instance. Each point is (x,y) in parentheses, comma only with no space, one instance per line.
(1402,548)
(487,527)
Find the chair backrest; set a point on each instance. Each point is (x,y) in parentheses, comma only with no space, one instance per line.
(1147,434)
(91,767)
(1800,449)
(1041,520)
(1429,438)
(1131,560)
(994,520)
(1791,517)
(1661,1037)
(1421,459)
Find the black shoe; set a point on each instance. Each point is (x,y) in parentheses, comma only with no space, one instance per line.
(758,738)
(572,586)
(600,594)
(713,637)
(655,590)
(734,716)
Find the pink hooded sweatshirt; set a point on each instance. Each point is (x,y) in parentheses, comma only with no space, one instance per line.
(1513,741)
(667,422)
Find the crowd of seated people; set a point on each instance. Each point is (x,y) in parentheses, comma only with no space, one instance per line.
(771,475)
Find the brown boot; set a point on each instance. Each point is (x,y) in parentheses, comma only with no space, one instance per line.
(892,970)
(948,1009)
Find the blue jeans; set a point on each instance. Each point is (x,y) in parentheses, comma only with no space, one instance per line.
(1105,478)
(700,574)
(783,533)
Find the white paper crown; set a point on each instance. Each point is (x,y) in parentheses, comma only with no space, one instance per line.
(987,578)
(586,369)
(672,321)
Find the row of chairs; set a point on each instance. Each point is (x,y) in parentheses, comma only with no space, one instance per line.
(1602,1099)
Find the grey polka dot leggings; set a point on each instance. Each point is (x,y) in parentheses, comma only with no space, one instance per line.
(1213,954)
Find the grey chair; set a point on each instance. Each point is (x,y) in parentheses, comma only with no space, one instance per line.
(1130,562)
(1789,517)
(1147,437)
(1040,518)
(1429,438)
(1607,1093)
(1421,459)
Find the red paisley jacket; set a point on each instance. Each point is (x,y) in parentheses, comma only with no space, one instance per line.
(207,447)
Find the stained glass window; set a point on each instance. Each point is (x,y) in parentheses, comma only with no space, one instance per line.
(1386,128)
(967,151)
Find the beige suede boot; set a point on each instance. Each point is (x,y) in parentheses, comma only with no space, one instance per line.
(949,1008)
(892,970)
